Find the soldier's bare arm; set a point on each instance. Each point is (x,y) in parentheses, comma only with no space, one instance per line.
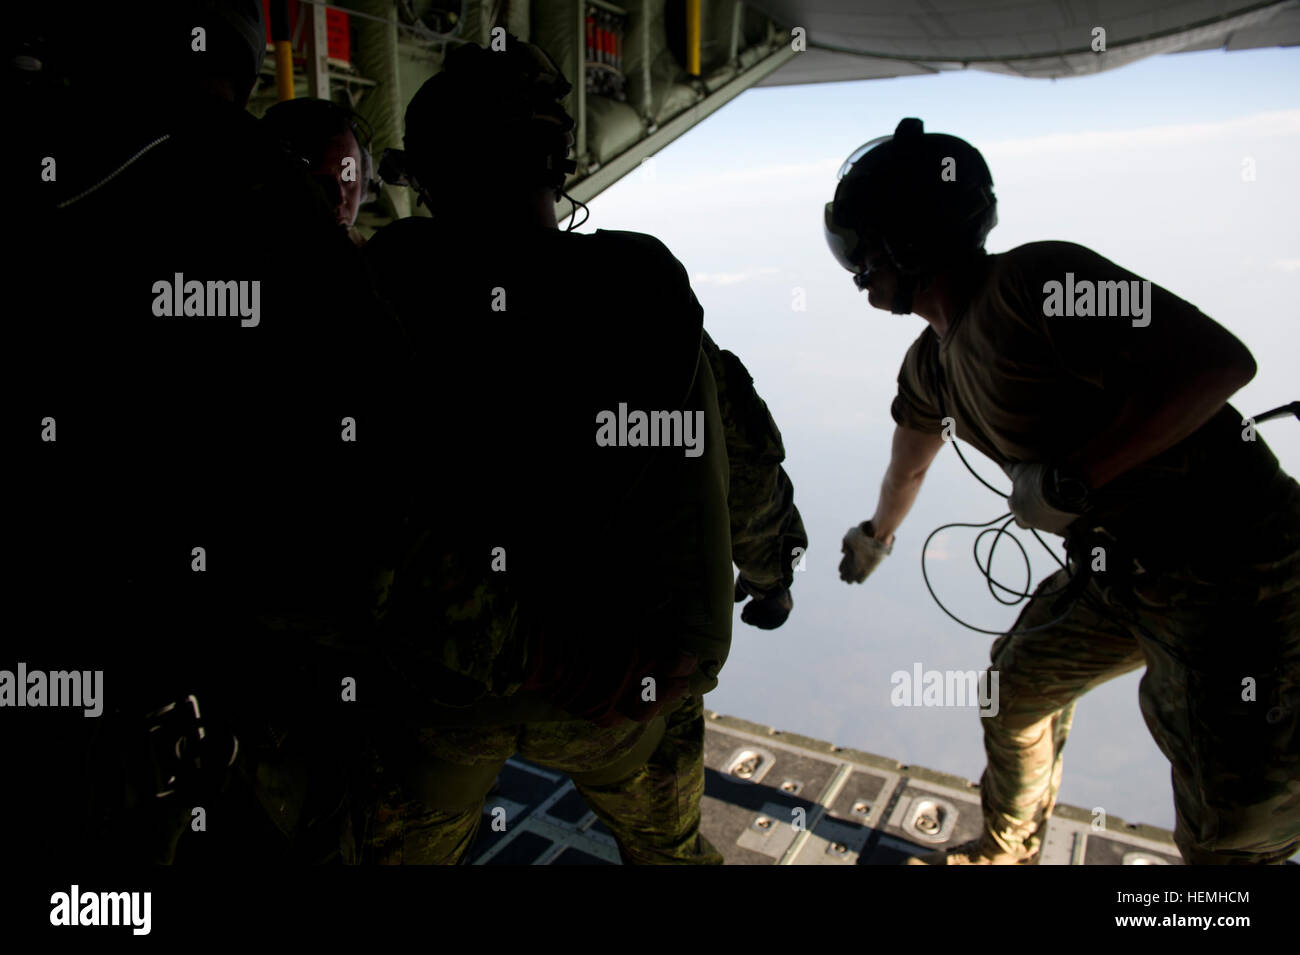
(910,457)
(866,544)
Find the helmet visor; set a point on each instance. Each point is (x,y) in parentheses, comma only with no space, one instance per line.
(842,241)
(858,154)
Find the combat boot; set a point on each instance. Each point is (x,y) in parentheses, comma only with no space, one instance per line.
(980,851)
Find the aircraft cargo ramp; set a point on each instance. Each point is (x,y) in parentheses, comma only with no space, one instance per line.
(774,798)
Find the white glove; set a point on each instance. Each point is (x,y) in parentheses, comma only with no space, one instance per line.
(862,553)
(1028,502)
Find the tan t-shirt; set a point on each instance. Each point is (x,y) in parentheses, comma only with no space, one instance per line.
(1027,374)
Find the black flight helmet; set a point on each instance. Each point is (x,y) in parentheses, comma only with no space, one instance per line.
(490,116)
(921,200)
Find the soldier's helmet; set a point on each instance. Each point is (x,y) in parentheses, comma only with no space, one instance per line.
(924,198)
(156,38)
(491,115)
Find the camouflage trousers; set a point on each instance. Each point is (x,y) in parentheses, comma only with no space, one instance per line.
(644,781)
(1220,696)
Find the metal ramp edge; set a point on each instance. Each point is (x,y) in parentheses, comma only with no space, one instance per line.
(776,798)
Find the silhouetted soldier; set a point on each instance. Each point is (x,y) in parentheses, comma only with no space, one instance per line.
(208,438)
(1103,397)
(570,597)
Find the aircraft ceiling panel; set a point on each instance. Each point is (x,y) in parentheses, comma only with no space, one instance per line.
(852,40)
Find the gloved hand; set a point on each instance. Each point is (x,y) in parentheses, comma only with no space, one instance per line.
(767,611)
(604,684)
(1028,500)
(862,553)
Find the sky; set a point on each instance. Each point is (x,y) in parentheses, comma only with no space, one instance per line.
(1143,164)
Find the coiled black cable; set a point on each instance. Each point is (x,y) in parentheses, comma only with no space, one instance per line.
(1076,583)
(986,568)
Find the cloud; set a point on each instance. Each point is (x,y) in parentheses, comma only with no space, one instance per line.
(675,180)
(775,174)
(1260,125)
(730,278)
(937,551)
